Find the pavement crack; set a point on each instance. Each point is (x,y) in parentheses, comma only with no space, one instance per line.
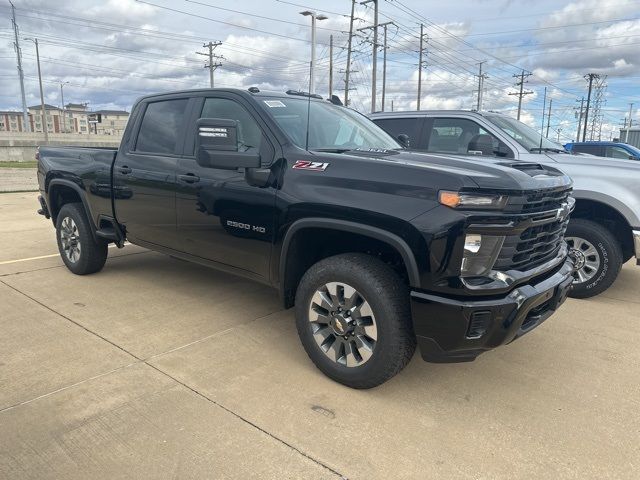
(71,320)
(179,382)
(249,422)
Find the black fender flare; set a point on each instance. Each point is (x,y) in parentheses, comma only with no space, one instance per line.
(390,238)
(81,193)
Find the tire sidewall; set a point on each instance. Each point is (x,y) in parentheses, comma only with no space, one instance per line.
(348,274)
(610,259)
(71,211)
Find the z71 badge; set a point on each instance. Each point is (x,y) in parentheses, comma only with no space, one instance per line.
(313,166)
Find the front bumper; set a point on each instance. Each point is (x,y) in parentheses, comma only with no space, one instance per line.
(451,330)
(636,244)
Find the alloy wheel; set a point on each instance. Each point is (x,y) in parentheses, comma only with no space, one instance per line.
(586,258)
(70,239)
(343,324)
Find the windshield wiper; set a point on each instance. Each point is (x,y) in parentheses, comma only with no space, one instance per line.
(547,149)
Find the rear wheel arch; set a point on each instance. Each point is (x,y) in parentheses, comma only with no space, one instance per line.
(62,192)
(611,219)
(302,247)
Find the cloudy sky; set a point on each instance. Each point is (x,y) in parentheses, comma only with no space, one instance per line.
(111,52)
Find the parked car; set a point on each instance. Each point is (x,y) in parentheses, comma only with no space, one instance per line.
(377,248)
(604,231)
(605,149)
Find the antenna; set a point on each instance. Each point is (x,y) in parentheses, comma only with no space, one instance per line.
(306,145)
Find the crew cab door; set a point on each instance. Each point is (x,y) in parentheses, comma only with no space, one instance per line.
(220,216)
(144,174)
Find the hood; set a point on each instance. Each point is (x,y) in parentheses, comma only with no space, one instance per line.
(594,161)
(481,172)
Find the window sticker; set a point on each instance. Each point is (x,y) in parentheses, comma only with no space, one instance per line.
(274,104)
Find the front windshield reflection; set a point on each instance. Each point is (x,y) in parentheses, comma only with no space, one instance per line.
(331,127)
(526,136)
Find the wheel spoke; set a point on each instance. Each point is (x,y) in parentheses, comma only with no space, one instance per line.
(582,276)
(590,251)
(334,352)
(365,348)
(350,297)
(332,289)
(322,300)
(595,265)
(351,354)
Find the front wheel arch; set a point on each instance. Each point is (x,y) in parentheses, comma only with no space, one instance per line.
(297,255)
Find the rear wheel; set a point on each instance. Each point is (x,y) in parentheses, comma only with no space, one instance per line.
(597,257)
(80,251)
(353,318)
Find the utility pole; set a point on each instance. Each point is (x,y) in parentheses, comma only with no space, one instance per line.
(580,119)
(522,92)
(384,66)
(544,106)
(374,63)
(626,138)
(481,77)
(42,109)
(212,66)
(16,44)
(330,66)
(549,117)
(589,77)
(420,64)
(64,117)
(349,44)
(384,62)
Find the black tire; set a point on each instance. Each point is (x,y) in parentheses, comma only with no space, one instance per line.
(92,254)
(609,254)
(388,297)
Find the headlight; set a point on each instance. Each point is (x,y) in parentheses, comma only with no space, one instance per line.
(471,200)
(480,254)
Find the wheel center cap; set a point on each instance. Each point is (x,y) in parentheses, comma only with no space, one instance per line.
(578,258)
(340,324)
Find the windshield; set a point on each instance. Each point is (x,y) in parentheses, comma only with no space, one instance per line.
(332,127)
(526,136)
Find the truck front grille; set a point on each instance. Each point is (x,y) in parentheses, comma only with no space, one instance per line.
(539,201)
(534,246)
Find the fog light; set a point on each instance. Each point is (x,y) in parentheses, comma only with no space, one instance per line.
(472,243)
(480,254)
(478,324)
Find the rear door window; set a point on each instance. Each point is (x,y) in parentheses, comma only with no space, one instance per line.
(161,127)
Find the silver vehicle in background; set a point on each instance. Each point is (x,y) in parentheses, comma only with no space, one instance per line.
(604,231)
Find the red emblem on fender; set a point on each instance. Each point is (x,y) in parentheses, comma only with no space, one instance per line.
(313,166)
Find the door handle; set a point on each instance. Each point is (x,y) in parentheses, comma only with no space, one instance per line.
(124,170)
(189,178)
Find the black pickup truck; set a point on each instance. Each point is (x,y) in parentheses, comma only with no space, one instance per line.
(378,248)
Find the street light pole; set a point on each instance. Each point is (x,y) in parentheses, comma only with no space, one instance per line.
(314,16)
(42,109)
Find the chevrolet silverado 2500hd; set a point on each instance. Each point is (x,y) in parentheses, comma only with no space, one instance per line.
(378,248)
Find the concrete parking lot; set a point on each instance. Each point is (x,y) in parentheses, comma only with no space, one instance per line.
(156,368)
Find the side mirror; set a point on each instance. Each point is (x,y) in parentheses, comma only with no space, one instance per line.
(217,145)
(403,139)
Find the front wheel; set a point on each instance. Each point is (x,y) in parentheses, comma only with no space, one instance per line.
(353,318)
(597,257)
(80,252)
